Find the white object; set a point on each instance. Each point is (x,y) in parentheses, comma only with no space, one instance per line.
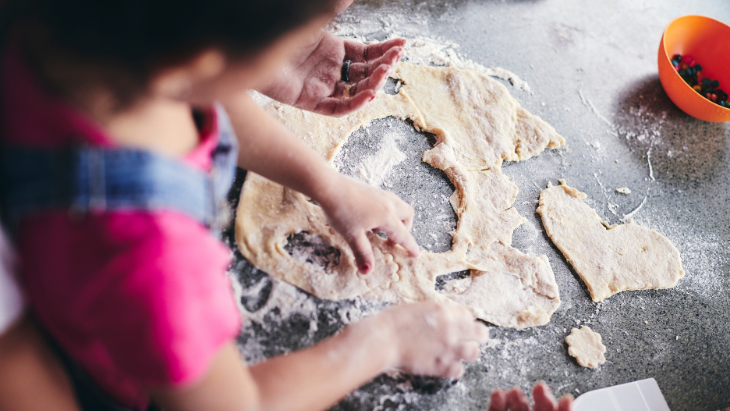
(643,395)
(11,300)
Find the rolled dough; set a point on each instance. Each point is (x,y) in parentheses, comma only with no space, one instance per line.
(609,258)
(586,346)
(477,125)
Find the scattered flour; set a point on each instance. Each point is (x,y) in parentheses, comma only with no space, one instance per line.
(432,52)
(360,309)
(705,258)
(375,169)
(648,160)
(631,215)
(593,108)
(426,51)
(643,126)
(287,299)
(613,208)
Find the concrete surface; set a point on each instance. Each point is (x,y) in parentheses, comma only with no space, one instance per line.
(623,122)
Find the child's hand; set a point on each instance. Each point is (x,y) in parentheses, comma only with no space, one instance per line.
(515,400)
(313,78)
(431,338)
(354,208)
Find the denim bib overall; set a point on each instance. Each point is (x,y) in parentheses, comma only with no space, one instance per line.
(83,179)
(88,179)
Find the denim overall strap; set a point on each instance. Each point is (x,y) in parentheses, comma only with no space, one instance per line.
(225,161)
(225,156)
(86,179)
(89,179)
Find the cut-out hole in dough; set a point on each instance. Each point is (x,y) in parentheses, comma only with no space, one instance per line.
(392,86)
(313,249)
(447,281)
(425,188)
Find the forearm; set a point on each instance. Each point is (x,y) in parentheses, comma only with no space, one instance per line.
(425,338)
(269,149)
(308,380)
(316,377)
(31,378)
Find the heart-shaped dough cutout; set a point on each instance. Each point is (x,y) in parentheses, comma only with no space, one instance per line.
(609,259)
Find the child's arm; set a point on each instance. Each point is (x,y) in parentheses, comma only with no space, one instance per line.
(353,208)
(426,338)
(312,79)
(31,377)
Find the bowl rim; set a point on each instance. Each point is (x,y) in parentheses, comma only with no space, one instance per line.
(666,54)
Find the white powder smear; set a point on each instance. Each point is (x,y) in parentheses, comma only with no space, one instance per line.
(286,299)
(375,169)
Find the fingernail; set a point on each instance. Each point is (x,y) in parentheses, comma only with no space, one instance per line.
(364,268)
(372,98)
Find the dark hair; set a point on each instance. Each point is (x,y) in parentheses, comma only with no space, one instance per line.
(136,36)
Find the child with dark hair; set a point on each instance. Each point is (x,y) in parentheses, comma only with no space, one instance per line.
(117,153)
(115,134)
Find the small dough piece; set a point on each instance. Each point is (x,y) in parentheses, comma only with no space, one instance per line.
(609,259)
(586,346)
(623,190)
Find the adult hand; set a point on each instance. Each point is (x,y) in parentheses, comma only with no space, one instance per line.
(353,208)
(515,400)
(312,80)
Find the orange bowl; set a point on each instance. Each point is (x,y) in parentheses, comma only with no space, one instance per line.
(708,42)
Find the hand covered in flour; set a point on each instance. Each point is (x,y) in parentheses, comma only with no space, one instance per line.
(353,208)
(312,79)
(515,400)
(432,338)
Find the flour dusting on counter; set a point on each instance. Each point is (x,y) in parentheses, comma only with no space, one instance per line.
(375,168)
(431,52)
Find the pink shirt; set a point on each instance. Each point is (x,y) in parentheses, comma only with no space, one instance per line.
(135,297)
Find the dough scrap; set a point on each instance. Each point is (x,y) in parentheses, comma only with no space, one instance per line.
(477,125)
(586,346)
(609,259)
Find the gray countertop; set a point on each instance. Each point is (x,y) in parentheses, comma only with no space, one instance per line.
(621,126)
